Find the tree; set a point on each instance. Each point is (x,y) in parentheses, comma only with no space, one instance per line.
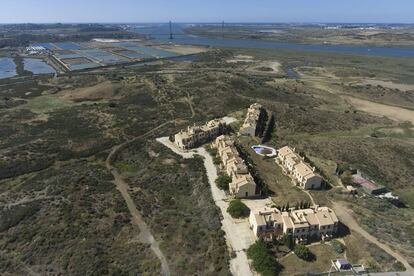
(341,168)
(347,178)
(287,240)
(338,247)
(301,206)
(262,259)
(223,181)
(238,209)
(302,252)
(287,206)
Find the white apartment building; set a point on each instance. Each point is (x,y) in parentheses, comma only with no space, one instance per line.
(250,123)
(195,136)
(317,223)
(242,184)
(301,172)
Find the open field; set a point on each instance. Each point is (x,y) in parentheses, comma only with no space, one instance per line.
(323,253)
(281,185)
(388,84)
(104,90)
(392,112)
(53,145)
(183,49)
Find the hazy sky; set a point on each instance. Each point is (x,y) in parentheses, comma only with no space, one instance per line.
(399,11)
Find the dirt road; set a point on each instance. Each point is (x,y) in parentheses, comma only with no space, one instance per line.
(345,215)
(145,235)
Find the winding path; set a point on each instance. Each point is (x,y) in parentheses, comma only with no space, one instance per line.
(145,235)
(344,214)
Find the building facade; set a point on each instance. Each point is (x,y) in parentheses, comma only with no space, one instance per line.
(242,184)
(253,116)
(194,136)
(293,164)
(317,223)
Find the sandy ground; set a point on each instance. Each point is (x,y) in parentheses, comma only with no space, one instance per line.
(183,49)
(238,234)
(103,90)
(258,203)
(240,58)
(275,65)
(229,120)
(388,84)
(256,64)
(392,112)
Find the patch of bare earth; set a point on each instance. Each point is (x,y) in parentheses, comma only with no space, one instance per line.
(392,112)
(104,90)
(273,66)
(388,84)
(240,58)
(184,49)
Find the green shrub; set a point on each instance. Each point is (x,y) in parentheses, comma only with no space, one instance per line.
(223,181)
(347,178)
(216,160)
(398,266)
(211,150)
(287,240)
(338,247)
(303,252)
(238,209)
(263,260)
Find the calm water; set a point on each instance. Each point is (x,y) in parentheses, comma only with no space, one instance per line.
(37,66)
(291,73)
(159,32)
(7,68)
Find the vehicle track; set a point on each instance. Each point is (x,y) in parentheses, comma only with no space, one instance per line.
(345,215)
(145,235)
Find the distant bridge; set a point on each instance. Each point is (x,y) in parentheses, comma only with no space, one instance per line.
(171,35)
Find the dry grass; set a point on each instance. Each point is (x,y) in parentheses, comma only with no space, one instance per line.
(280,184)
(104,90)
(324,253)
(388,84)
(183,49)
(392,112)
(360,251)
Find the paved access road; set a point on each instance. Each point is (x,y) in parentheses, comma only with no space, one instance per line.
(238,235)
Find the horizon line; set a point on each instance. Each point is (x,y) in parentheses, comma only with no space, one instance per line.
(205,22)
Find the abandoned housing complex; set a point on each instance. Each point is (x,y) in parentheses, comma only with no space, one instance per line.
(242,184)
(195,136)
(302,174)
(316,223)
(255,116)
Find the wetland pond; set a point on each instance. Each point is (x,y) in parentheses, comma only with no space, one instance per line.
(37,66)
(7,68)
(160,32)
